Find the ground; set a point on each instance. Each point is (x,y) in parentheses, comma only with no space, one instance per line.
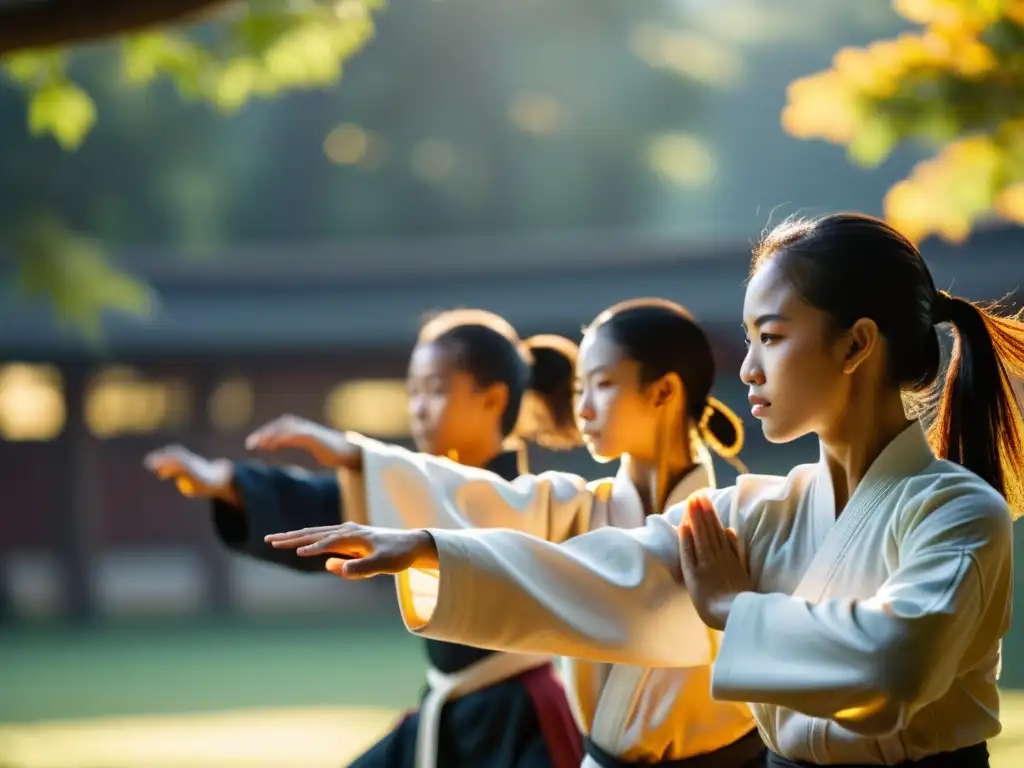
(268,694)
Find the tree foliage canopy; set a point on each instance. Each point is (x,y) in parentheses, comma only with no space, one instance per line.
(251,49)
(244,50)
(957,84)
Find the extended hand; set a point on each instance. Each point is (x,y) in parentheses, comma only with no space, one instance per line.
(328,446)
(368,551)
(712,568)
(193,474)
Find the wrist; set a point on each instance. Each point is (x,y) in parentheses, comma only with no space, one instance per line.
(426,551)
(347,455)
(228,492)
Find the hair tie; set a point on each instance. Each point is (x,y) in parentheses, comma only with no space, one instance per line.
(943,308)
(730,452)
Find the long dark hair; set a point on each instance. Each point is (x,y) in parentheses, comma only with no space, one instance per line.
(538,372)
(854,266)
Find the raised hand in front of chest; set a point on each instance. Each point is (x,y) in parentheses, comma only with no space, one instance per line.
(713,570)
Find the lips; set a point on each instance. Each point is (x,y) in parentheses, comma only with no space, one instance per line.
(758,405)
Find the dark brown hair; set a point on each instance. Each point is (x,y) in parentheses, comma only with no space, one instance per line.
(538,372)
(854,266)
(663,337)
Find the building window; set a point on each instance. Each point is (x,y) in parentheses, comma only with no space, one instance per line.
(31,402)
(232,404)
(372,406)
(119,401)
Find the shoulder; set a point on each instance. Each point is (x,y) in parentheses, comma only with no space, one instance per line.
(954,505)
(744,503)
(557,482)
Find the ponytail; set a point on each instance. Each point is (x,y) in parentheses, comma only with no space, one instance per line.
(978,424)
(547,416)
(721,430)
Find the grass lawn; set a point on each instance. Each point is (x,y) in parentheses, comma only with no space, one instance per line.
(203,696)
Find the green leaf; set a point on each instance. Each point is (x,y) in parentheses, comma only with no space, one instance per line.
(63,110)
(73,274)
(874,142)
(236,82)
(34,68)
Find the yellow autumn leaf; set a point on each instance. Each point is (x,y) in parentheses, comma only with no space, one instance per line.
(821,106)
(947,194)
(910,210)
(868,70)
(1010,203)
(970,14)
(1014,11)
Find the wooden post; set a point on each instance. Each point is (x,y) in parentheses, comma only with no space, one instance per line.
(76,537)
(220,598)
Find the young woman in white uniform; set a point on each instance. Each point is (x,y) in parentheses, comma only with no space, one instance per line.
(863,598)
(644,377)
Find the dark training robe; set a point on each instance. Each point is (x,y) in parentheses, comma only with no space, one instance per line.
(520,722)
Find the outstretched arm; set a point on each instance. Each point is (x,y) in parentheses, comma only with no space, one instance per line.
(270,499)
(250,500)
(610,595)
(386,485)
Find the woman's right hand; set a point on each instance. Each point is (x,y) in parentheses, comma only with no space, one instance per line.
(194,475)
(368,551)
(328,446)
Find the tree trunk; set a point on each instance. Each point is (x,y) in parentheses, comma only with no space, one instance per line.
(26,24)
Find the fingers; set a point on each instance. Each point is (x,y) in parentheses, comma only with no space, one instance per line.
(353,542)
(271,538)
(367,567)
(168,461)
(734,542)
(301,541)
(282,432)
(709,535)
(687,552)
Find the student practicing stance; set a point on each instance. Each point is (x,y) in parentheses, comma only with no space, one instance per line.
(470,381)
(644,377)
(862,598)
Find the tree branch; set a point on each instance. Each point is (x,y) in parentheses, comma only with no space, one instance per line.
(29,24)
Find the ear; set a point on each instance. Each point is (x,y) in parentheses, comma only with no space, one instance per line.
(666,390)
(496,397)
(859,342)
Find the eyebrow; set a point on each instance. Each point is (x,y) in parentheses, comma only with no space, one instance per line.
(771,317)
(592,372)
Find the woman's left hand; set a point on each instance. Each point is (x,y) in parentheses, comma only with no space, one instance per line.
(369,551)
(712,568)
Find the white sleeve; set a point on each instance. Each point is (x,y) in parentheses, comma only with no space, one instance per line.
(396,488)
(611,595)
(871,664)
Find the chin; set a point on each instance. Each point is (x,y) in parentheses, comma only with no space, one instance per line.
(423,445)
(601,456)
(780,433)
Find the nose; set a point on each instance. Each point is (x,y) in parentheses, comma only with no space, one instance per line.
(584,408)
(750,371)
(418,408)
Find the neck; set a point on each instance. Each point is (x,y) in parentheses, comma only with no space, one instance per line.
(852,445)
(643,472)
(477,455)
